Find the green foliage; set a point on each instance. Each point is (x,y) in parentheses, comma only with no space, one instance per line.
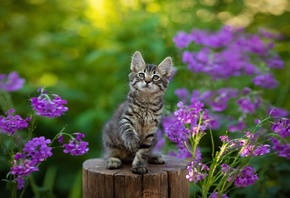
(81,50)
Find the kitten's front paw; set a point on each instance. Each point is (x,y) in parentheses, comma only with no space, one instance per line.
(156,159)
(113,163)
(139,169)
(132,143)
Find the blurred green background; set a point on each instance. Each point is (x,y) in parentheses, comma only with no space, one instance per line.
(81,50)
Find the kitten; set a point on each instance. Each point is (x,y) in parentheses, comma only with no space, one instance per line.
(131,133)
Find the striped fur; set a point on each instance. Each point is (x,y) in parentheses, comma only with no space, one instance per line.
(130,135)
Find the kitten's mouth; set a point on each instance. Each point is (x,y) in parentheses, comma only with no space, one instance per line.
(146,88)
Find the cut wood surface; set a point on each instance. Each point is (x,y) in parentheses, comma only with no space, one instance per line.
(161,181)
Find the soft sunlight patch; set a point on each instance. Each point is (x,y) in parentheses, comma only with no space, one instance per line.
(97,12)
(48,79)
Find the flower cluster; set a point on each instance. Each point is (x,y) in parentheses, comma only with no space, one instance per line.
(185,123)
(241,177)
(10,124)
(11,82)
(46,106)
(282,148)
(35,151)
(248,146)
(230,52)
(248,106)
(225,55)
(216,195)
(246,177)
(76,146)
(265,80)
(226,64)
(218,99)
(196,171)
(22,167)
(281,143)
(282,127)
(246,101)
(27,155)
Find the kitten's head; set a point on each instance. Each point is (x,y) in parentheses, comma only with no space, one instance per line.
(149,78)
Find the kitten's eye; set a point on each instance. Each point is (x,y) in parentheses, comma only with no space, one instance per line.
(141,75)
(155,77)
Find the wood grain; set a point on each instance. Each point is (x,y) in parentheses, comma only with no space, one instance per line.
(161,181)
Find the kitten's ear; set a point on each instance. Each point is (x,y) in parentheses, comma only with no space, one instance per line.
(165,67)
(137,62)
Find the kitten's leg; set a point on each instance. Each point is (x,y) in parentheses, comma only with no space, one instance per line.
(129,135)
(155,158)
(139,165)
(113,157)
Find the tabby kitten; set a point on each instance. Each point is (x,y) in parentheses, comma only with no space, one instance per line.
(131,133)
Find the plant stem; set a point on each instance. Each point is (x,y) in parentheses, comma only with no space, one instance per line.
(34,186)
(5,101)
(13,191)
(23,191)
(32,126)
(4,146)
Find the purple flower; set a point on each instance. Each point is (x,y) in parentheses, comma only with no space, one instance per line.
(191,115)
(174,130)
(249,106)
(247,149)
(223,95)
(11,124)
(215,40)
(202,96)
(252,136)
(46,106)
(181,40)
(196,172)
(38,149)
(182,152)
(184,124)
(226,169)
(218,99)
(182,94)
(22,167)
(60,139)
(246,177)
(270,35)
(266,81)
(251,149)
(278,112)
(246,91)
(237,127)
(76,146)
(282,149)
(257,46)
(227,52)
(224,138)
(216,195)
(20,182)
(262,150)
(282,127)
(275,62)
(186,115)
(79,136)
(12,82)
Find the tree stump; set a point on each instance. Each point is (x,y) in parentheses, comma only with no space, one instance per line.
(161,181)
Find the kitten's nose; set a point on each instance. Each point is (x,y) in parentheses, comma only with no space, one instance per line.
(147,81)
